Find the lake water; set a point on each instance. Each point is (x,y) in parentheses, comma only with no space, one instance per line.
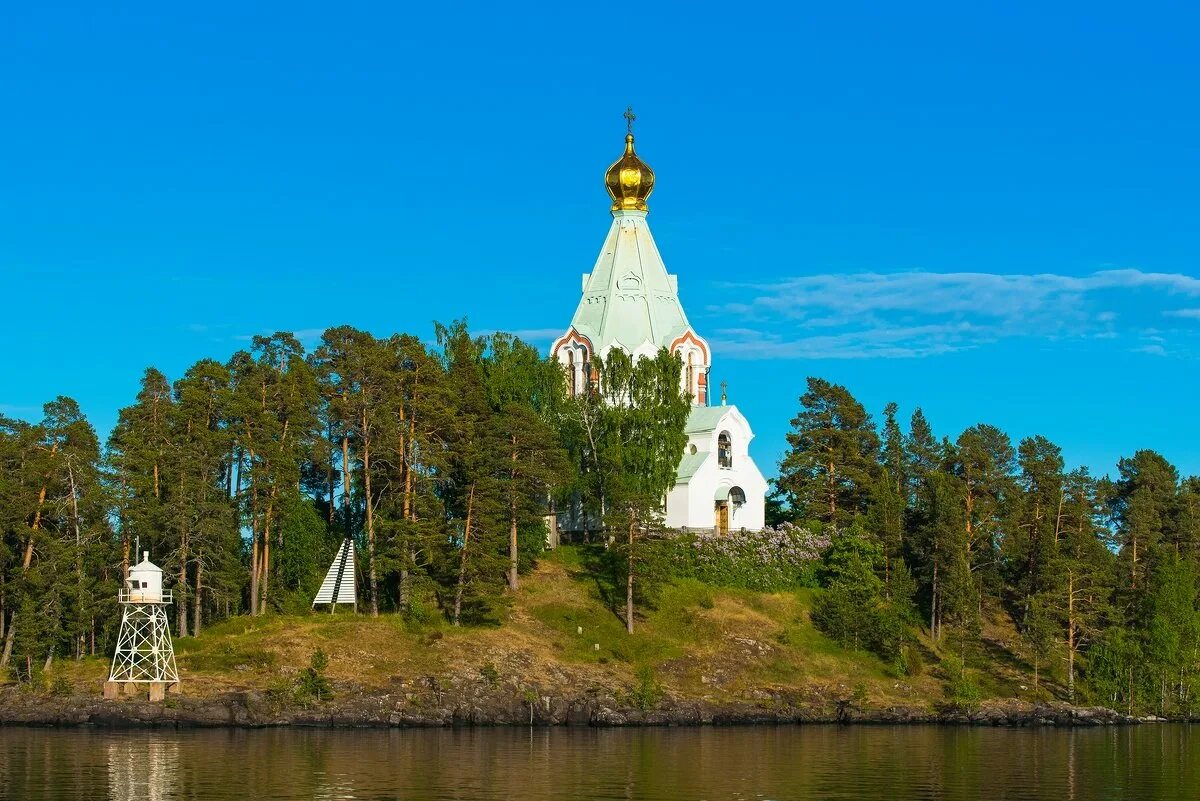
(786,762)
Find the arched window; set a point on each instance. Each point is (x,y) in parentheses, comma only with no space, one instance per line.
(724,450)
(737,496)
(574,379)
(691,373)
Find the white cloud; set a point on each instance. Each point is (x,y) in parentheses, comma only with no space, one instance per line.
(915,314)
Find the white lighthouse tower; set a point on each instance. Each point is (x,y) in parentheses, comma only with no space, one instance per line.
(144,654)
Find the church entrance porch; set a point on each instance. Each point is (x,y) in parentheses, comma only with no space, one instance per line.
(722,514)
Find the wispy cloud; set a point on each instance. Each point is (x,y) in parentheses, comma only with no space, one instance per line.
(916,314)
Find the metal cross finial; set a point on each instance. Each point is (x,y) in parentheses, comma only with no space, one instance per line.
(724,387)
(629,118)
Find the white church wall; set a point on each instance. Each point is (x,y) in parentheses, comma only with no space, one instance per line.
(693,505)
(678,512)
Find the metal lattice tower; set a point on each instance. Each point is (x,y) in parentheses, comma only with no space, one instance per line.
(144,651)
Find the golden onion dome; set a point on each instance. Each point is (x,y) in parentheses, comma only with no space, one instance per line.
(629,180)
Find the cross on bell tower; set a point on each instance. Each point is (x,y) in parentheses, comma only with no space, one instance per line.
(724,397)
(629,118)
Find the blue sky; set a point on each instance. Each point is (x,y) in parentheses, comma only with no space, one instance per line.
(987,209)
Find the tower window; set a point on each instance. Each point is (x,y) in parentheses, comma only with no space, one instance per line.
(724,450)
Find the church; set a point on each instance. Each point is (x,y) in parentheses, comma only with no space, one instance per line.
(631,302)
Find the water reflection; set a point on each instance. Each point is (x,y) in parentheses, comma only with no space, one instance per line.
(142,767)
(825,762)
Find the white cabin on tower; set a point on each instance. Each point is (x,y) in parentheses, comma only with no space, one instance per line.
(631,302)
(144,656)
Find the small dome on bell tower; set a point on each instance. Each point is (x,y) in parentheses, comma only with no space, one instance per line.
(629,180)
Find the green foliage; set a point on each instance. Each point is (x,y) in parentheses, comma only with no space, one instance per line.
(60,686)
(775,560)
(489,674)
(853,609)
(304,552)
(648,692)
(441,463)
(827,473)
(225,657)
(312,685)
(1040,636)
(911,661)
(962,691)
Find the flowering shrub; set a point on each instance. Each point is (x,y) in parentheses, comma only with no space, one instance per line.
(769,560)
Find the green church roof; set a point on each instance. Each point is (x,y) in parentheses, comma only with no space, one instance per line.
(628,297)
(704,418)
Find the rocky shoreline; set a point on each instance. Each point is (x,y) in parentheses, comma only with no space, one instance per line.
(253,709)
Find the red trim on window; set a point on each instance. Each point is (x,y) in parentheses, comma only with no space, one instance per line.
(573,336)
(688,336)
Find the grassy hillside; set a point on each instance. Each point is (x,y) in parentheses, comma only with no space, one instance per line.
(699,642)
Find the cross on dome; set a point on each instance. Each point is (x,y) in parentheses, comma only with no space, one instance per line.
(629,180)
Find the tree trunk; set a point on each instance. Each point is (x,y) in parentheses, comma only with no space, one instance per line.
(462,557)
(831,479)
(372,568)
(329,485)
(1070,636)
(346,519)
(407,511)
(78,553)
(264,560)
(196,597)
(1133,567)
(182,618)
(26,560)
(512,520)
(254,522)
(10,635)
(629,576)
(554,536)
(265,553)
(124,531)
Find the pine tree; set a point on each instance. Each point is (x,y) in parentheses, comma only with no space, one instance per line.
(828,472)
(922,453)
(983,461)
(1036,524)
(410,517)
(1082,572)
(940,549)
(524,391)
(137,454)
(1143,507)
(474,493)
(1172,633)
(197,507)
